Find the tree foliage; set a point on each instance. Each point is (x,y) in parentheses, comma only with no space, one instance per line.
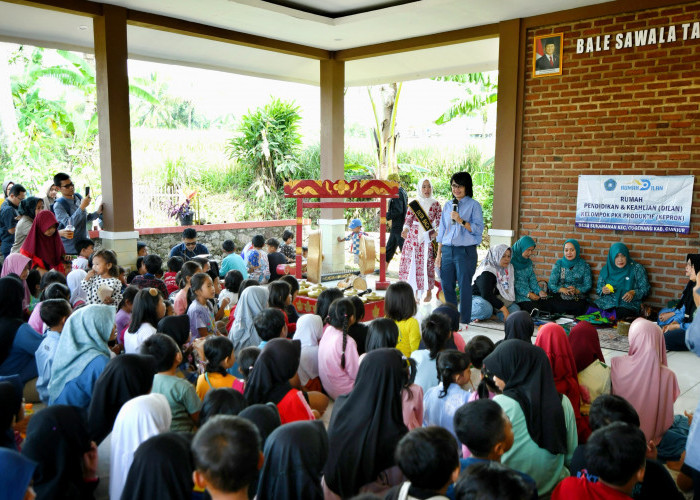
(478,92)
(269,142)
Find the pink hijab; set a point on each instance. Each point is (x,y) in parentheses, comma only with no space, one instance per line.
(643,379)
(15,263)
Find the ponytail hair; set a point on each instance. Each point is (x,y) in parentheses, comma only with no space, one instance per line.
(409,375)
(486,385)
(435,330)
(450,363)
(339,317)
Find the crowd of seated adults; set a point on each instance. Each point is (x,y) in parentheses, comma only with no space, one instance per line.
(204,376)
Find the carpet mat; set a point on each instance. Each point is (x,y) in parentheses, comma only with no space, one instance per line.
(609,338)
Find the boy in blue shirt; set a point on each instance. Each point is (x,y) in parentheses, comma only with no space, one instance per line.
(54,313)
(356,227)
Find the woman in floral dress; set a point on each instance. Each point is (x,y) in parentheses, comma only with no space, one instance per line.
(417,265)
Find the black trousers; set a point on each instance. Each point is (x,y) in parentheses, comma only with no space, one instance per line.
(395,240)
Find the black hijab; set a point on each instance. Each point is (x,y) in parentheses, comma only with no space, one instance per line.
(265,417)
(366,424)
(277,363)
(11,296)
(57,438)
(528,376)
(10,406)
(294,458)
(124,378)
(177,327)
(519,325)
(162,469)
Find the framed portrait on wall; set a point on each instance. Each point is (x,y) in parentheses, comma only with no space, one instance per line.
(546,58)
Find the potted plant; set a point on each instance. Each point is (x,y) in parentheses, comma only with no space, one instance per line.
(183,211)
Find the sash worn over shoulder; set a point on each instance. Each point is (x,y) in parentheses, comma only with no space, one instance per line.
(424,221)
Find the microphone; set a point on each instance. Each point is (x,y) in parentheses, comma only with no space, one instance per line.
(454,209)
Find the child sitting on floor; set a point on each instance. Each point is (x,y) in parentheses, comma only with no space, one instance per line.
(174,265)
(616,457)
(428,458)
(54,313)
(246,359)
(218,352)
(84,248)
(280,297)
(201,316)
(269,324)
(181,395)
(227,457)
(486,431)
(442,401)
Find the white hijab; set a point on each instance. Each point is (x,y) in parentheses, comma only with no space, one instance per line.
(76,291)
(250,303)
(139,419)
(425,202)
(309,331)
(505,276)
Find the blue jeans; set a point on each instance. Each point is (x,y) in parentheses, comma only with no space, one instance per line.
(482,310)
(457,268)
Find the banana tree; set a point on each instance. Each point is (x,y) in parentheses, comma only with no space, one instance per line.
(385,135)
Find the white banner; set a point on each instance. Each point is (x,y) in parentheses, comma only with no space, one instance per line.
(635,203)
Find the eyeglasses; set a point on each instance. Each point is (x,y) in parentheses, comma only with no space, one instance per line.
(67,186)
(193,244)
(453,185)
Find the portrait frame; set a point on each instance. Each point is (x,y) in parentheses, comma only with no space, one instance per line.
(541,65)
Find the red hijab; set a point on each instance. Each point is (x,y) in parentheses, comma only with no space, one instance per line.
(45,251)
(552,339)
(585,345)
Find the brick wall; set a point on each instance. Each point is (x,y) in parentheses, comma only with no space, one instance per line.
(632,111)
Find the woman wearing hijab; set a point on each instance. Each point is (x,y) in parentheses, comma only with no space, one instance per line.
(417,265)
(644,379)
(162,469)
(177,327)
(265,417)
(552,339)
(309,331)
(366,425)
(519,325)
(585,345)
(544,423)
(43,244)
(50,191)
(81,355)
(269,381)
(691,467)
(28,209)
(294,458)
(139,419)
(125,377)
(570,281)
(493,288)
(18,340)
(527,291)
(16,477)
(676,321)
(19,265)
(622,283)
(251,302)
(58,441)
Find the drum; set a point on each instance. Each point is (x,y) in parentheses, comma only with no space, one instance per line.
(367,255)
(315,258)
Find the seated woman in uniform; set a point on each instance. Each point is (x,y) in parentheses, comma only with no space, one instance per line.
(570,281)
(622,283)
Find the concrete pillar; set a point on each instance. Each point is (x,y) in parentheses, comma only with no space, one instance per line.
(111,56)
(332,221)
(506,191)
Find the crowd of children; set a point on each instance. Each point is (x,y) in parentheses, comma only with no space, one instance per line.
(197,387)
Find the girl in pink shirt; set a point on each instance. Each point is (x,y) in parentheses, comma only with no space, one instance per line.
(337,352)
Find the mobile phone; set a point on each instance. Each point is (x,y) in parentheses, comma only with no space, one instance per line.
(87,191)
